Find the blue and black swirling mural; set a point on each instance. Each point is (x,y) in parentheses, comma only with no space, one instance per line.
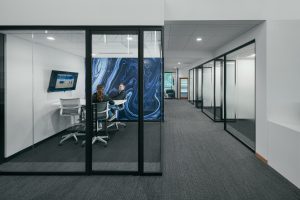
(110,72)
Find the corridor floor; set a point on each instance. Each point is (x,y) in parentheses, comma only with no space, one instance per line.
(200,161)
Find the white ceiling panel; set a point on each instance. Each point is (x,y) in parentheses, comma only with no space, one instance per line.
(180,37)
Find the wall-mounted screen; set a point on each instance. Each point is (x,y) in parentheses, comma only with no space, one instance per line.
(110,72)
(62,81)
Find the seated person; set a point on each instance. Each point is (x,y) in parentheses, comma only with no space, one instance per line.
(121,94)
(99,96)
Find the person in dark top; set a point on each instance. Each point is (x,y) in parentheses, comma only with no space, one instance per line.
(121,94)
(99,96)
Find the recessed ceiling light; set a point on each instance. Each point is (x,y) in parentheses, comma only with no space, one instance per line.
(199,39)
(93,54)
(50,38)
(129,38)
(251,56)
(179,63)
(46,31)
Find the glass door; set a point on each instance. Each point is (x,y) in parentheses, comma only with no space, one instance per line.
(240,94)
(115,101)
(183,88)
(208,89)
(219,89)
(198,87)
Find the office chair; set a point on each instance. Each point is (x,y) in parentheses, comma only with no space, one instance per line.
(71,108)
(100,115)
(115,116)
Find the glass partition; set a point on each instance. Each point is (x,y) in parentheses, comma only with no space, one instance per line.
(240,94)
(208,89)
(183,88)
(153,100)
(213,89)
(191,86)
(115,82)
(44,101)
(169,85)
(86,101)
(194,85)
(198,87)
(219,89)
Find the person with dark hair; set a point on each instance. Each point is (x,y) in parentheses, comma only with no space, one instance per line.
(99,96)
(121,94)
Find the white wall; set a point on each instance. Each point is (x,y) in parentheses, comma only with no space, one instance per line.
(47,120)
(277,99)
(82,12)
(231,9)
(18,98)
(284,150)
(30,113)
(283,97)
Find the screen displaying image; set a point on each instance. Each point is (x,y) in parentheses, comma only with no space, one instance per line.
(64,81)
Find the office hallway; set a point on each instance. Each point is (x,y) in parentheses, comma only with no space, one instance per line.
(200,161)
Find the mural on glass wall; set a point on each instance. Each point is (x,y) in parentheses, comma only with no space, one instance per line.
(110,72)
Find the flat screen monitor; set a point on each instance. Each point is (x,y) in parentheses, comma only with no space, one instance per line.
(62,81)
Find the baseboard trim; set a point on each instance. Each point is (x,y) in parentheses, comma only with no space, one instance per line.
(261,158)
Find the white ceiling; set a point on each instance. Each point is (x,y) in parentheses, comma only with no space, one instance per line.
(181,45)
(179,40)
(102,45)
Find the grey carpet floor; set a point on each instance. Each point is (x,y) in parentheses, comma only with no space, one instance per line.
(200,161)
(122,147)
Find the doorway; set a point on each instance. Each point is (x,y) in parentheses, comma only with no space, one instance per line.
(183,88)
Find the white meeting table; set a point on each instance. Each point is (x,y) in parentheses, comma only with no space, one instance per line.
(83,102)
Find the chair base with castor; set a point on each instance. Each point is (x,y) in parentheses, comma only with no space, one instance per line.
(115,117)
(97,138)
(117,124)
(100,139)
(70,135)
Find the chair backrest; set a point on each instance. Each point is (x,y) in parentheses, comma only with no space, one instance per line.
(70,107)
(101,110)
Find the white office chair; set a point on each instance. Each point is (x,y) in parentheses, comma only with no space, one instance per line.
(100,115)
(71,108)
(115,116)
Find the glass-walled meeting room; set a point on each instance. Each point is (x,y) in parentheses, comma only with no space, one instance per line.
(213,83)
(240,94)
(227,89)
(92,100)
